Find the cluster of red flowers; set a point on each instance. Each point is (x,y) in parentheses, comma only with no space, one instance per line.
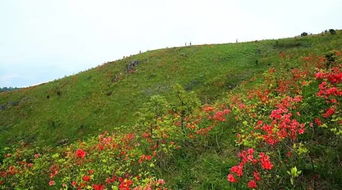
(80,153)
(220,115)
(282,124)
(216,115)
(105,142)
(125,184)
(328,88)
(247,156)
(144,157)
(98,187)
(329,112)
(334,76)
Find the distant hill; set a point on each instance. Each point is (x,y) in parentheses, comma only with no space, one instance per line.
(6,89)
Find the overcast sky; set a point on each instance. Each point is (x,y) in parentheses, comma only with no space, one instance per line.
(42,40)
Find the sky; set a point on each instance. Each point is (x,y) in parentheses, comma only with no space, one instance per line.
(43,40)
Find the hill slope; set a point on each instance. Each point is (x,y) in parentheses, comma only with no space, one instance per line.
(270,119)
(106,97)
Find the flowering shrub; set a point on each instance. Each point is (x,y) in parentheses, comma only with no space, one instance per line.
(280,119)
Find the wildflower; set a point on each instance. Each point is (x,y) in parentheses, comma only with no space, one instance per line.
(318,122)
(80,153)
(74,183)
(328,112)
(36,156)
(238,170)
(125,184)
(256,176)
(86,178)
(265,161)
(160,182)
(231,178)
(98,187)
(252,184)
(52,183)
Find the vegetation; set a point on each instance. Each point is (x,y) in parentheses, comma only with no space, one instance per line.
(6,89)
(269,119)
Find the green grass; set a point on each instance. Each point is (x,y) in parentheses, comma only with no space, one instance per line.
(107,97)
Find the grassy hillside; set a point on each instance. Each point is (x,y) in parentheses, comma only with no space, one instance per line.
(107,97)
(256,115)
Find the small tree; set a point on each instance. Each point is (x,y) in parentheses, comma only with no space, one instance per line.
(186,104)
(332,31)
(304,34)
(152,112)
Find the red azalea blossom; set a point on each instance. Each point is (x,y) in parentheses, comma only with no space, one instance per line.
(252,184)
(318,122)
(160,182)
(99,187)
(231,178)
(74,183)
(86,178)
(125,184)
(329,112)
(265,161)
(256,176)
(238,170)
(80,153)
(51,183)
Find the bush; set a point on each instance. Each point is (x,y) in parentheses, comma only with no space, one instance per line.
(303,34)
(332,31)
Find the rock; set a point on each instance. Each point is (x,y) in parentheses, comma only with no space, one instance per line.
(2,107)
(13,103)
(130,67)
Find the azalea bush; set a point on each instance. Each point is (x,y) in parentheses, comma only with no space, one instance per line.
(290,128)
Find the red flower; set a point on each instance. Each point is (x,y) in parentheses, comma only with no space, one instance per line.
(99,187)
(91,172)
(238,170)
(318,122)
(265,161)
(125,184)
(160,182)
(36,156)
(329,112)
(86,178)
(51,183)
(80,153)
(231,178)
(74,183)
(252,184)
(320,75)
(256,176)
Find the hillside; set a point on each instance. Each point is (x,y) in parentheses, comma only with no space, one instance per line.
(256,115)
(108,96)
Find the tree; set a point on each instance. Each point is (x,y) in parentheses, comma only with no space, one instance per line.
(186,104)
